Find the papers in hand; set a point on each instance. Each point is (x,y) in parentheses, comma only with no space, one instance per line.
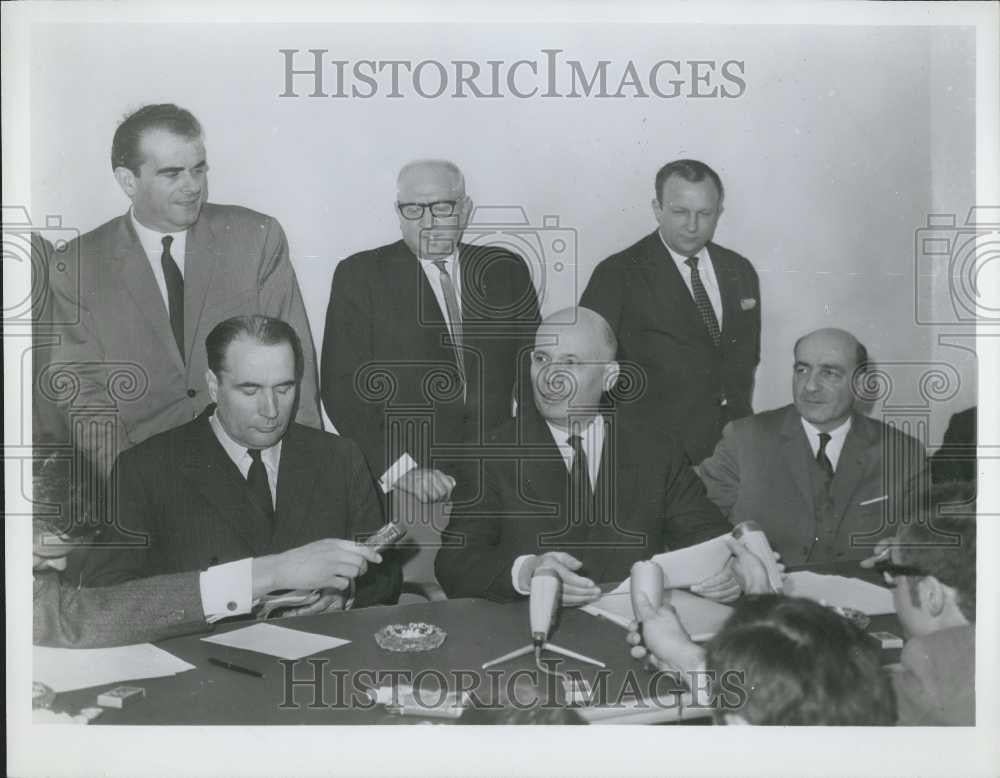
(841,592)
(688,566)
(66,669)
(277,641)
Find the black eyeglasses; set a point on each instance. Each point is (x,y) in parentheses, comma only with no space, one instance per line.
(891,571)
(415,211)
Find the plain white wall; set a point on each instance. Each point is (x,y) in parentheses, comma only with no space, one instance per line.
(843,142)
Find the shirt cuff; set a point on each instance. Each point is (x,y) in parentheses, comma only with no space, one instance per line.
(227,590)
(399,468)
(515,574)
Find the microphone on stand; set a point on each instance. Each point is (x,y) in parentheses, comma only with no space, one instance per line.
(542,606)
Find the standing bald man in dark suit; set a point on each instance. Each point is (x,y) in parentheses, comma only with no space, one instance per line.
(686,310)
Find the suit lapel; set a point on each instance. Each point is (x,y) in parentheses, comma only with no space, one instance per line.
(298,475)
(544,475)
(214,475)
(135,272)
(797,454)
(662,274)
(729,285)
(859,446)
(200,263)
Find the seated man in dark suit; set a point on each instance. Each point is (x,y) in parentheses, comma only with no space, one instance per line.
(569,488)
(956,459)
(243,479)
(821,479)
(162,606)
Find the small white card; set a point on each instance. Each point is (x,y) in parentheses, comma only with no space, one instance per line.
(277,641)
(397,470)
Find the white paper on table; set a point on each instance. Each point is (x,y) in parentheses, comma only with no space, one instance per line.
(688,566)
(701,617)
(66,669)
(277,641)
(840,591)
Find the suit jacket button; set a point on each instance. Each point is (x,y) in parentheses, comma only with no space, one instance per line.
(231,605)
(192,392)
(213,561)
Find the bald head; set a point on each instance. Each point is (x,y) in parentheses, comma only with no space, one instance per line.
(572,364)
(432,206)
(421,174)
(825,363)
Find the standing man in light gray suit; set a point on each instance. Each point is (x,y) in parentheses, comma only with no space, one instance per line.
(135,298)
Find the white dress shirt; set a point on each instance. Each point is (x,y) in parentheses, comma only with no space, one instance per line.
(434,277)
(706,272)
(834,445)
(271,457)
(592,441)
(152,244)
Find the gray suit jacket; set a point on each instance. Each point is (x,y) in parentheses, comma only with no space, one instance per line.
(116,364)
(135,612)
(760,472)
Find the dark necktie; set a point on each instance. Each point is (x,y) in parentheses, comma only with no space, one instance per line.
(260,489)
(581,492)
(701,300)
(454,314)
(821,458)
(175,293)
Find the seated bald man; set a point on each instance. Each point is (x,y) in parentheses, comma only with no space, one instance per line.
(570,488)
(820,478)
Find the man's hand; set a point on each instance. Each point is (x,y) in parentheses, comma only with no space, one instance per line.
(330,600)
(576,590)
(882,551)
(426,485)
(663,643)
(324,564)
(743,573)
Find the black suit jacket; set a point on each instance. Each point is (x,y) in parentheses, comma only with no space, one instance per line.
(183,505)
(645,300)
(389,377)
(652,500)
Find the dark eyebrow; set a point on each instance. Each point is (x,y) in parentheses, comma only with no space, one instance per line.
(179,169)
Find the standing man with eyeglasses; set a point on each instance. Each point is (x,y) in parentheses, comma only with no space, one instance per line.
(424,337)
(686,310)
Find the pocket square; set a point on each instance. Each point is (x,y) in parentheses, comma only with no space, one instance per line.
(748,303)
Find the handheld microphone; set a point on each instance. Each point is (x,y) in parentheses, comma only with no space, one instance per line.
(542,607)
(753,538)
(647,579)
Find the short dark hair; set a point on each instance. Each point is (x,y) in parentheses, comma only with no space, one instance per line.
(801,663)
(265,330)
(943,545)
(690,170)
(125,151)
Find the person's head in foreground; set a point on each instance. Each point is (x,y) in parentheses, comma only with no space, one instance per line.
(932,565)
(799,663)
